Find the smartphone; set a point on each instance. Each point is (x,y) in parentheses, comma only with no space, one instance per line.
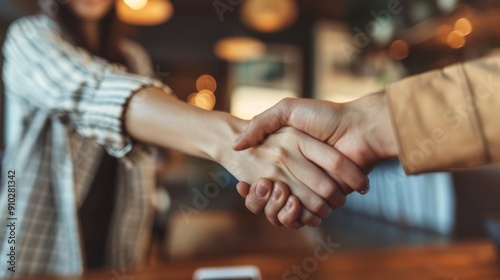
(228,273)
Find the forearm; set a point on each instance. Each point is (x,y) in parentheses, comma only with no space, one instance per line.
(156,118)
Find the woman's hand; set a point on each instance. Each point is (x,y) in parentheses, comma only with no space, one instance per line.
(281,207)
(315,172)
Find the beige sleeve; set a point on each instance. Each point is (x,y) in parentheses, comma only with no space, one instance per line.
(448,119)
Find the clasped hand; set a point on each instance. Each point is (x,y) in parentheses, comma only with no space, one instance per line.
(355,136)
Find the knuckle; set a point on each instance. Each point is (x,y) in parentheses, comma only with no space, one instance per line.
(252,206)
(336,162)
(341,201)
(280,155)
(296,134)
(296,226)
(255,118)
(309,219)
(318,206)
(272,219)
(288,224)
(286,220)
(291,224)
(285,191)
(286,101)
(328,190)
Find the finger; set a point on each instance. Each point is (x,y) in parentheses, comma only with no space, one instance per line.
(258,195)
(311,201)
(276,202)
(315,180)
(243,189)
(307,217)
(264,124)
(335,164)
(289,215)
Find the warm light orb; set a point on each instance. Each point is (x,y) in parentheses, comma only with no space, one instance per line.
(207,97)
(443,32)
(238,49)
(269,16)
(456,40)
(153,13)
(207,82)
(204,99)
(399,50)
(464,26)
(136,4)
(191,98)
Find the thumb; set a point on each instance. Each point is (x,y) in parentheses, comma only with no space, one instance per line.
(243,189)
(263,125)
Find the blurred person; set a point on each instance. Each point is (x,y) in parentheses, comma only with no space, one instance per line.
(84,172)
(438,121)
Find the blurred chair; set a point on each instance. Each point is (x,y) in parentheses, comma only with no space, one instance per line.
(423,201)
(453,204)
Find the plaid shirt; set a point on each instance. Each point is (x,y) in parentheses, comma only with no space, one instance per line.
(72,112)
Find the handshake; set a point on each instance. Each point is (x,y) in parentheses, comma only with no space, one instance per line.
(327,151)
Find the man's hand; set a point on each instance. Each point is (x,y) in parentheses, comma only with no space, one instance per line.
(361,130)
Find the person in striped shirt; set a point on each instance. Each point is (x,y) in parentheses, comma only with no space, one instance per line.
(90,113)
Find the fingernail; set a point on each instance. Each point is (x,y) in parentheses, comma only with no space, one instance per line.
(276,193)
(261,191)
(366,190)
(289,204)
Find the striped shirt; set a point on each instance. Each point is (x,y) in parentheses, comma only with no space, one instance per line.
(72,112)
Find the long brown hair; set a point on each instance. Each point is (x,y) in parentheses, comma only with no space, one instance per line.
(111,30)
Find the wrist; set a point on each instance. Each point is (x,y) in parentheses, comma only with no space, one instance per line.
(224,129)
(379,131)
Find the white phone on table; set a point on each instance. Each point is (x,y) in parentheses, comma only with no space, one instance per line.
(228,273)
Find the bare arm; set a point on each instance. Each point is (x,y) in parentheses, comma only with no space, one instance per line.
(156,118)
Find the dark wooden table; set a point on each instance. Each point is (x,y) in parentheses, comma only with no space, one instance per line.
(462,261)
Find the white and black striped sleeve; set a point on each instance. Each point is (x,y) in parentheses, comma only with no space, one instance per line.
(46,70)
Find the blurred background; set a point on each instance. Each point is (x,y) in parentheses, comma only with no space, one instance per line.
(243,56)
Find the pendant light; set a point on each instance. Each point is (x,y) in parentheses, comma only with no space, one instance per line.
(144,12)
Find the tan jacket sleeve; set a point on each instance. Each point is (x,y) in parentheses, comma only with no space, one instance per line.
(448,119)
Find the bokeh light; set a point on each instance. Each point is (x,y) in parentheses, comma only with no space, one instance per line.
(399,50)
(207,82)
(464,26)
(456,40)
(204,99)
(443,32)
(136,4)
(269,15)
(154,12)
(238,49)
